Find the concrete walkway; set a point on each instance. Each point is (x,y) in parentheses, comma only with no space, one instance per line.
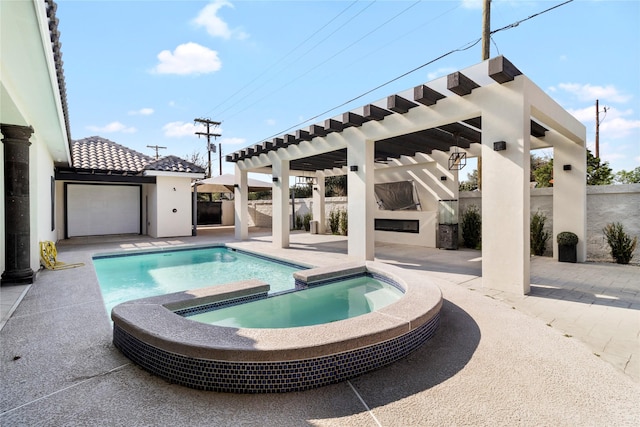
(567,354)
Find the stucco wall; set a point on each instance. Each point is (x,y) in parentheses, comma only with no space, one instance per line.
(605,204)
(173,198)
(40,198)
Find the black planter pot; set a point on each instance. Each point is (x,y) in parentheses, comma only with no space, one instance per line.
(567,253)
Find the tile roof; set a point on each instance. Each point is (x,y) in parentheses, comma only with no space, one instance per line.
(173,164)
(56,46)
(99,153)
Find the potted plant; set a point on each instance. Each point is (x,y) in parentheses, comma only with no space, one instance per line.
(567,242)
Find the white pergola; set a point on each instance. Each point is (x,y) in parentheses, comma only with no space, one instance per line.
(490,110)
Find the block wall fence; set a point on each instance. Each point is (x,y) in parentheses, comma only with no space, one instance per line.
(605,204)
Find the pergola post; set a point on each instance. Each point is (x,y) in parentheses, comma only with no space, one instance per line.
(570,193)
(361,202)
(241,204)
(280,201)
(319,203)
(505,191)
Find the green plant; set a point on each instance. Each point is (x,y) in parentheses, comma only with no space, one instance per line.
(344,223)
(539,236)
(471,227)
(567,238)
(621,244)
(306,221)
(334,221)
(298,225)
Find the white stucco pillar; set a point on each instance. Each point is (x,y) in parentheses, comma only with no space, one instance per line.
(318,202)
(569,192)
(280,201)
(241,205)
(361,202)
(505,191)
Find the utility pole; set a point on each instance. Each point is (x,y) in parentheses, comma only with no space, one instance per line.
(486,29)
(486,53)
(210,124)
(598,127)
(156,147)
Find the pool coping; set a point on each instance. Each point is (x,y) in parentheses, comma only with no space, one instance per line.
(149,325)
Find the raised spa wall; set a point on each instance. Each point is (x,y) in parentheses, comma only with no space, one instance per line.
(153,333)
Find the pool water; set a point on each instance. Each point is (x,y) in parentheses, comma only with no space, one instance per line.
(128,277)
(323,304)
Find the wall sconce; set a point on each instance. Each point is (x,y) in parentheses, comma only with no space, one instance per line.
(443,178)
(499,146)
(315,188)
(236,186)
(353,168)
(566,167)
(174,188)
(274,179)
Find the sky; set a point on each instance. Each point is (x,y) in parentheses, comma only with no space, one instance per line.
(139,72)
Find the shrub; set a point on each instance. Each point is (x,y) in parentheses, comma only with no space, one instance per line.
(334,221)
(621,244)
(306,221)
(344,224)
(567,238)
(471,227)
(298,225)
(539,236)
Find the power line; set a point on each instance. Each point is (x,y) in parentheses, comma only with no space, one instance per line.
(314,67)
(286,56)
(467,46)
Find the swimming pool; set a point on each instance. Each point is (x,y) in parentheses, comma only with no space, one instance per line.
(348,298)
(124,277)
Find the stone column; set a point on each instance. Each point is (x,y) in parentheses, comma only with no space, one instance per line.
(16,205)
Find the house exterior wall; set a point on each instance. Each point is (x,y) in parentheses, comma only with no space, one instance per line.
(41,204)
(173,212)
(152,210)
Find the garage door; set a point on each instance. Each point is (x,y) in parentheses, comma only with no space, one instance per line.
(96,210)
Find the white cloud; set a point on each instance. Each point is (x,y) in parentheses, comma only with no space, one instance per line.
(188,58)
(587,92)
(112,128)
(233,141)
(215,26)
(181,129)
(142,112)
(270,122)
(440,72)
(472,4)
(614,123)
(618,127)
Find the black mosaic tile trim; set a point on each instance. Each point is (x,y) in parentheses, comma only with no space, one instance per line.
(159,251)
(274,260)
(190,311)
(270,377)
(300,284)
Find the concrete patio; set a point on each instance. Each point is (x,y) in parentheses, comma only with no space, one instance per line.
(567,354)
